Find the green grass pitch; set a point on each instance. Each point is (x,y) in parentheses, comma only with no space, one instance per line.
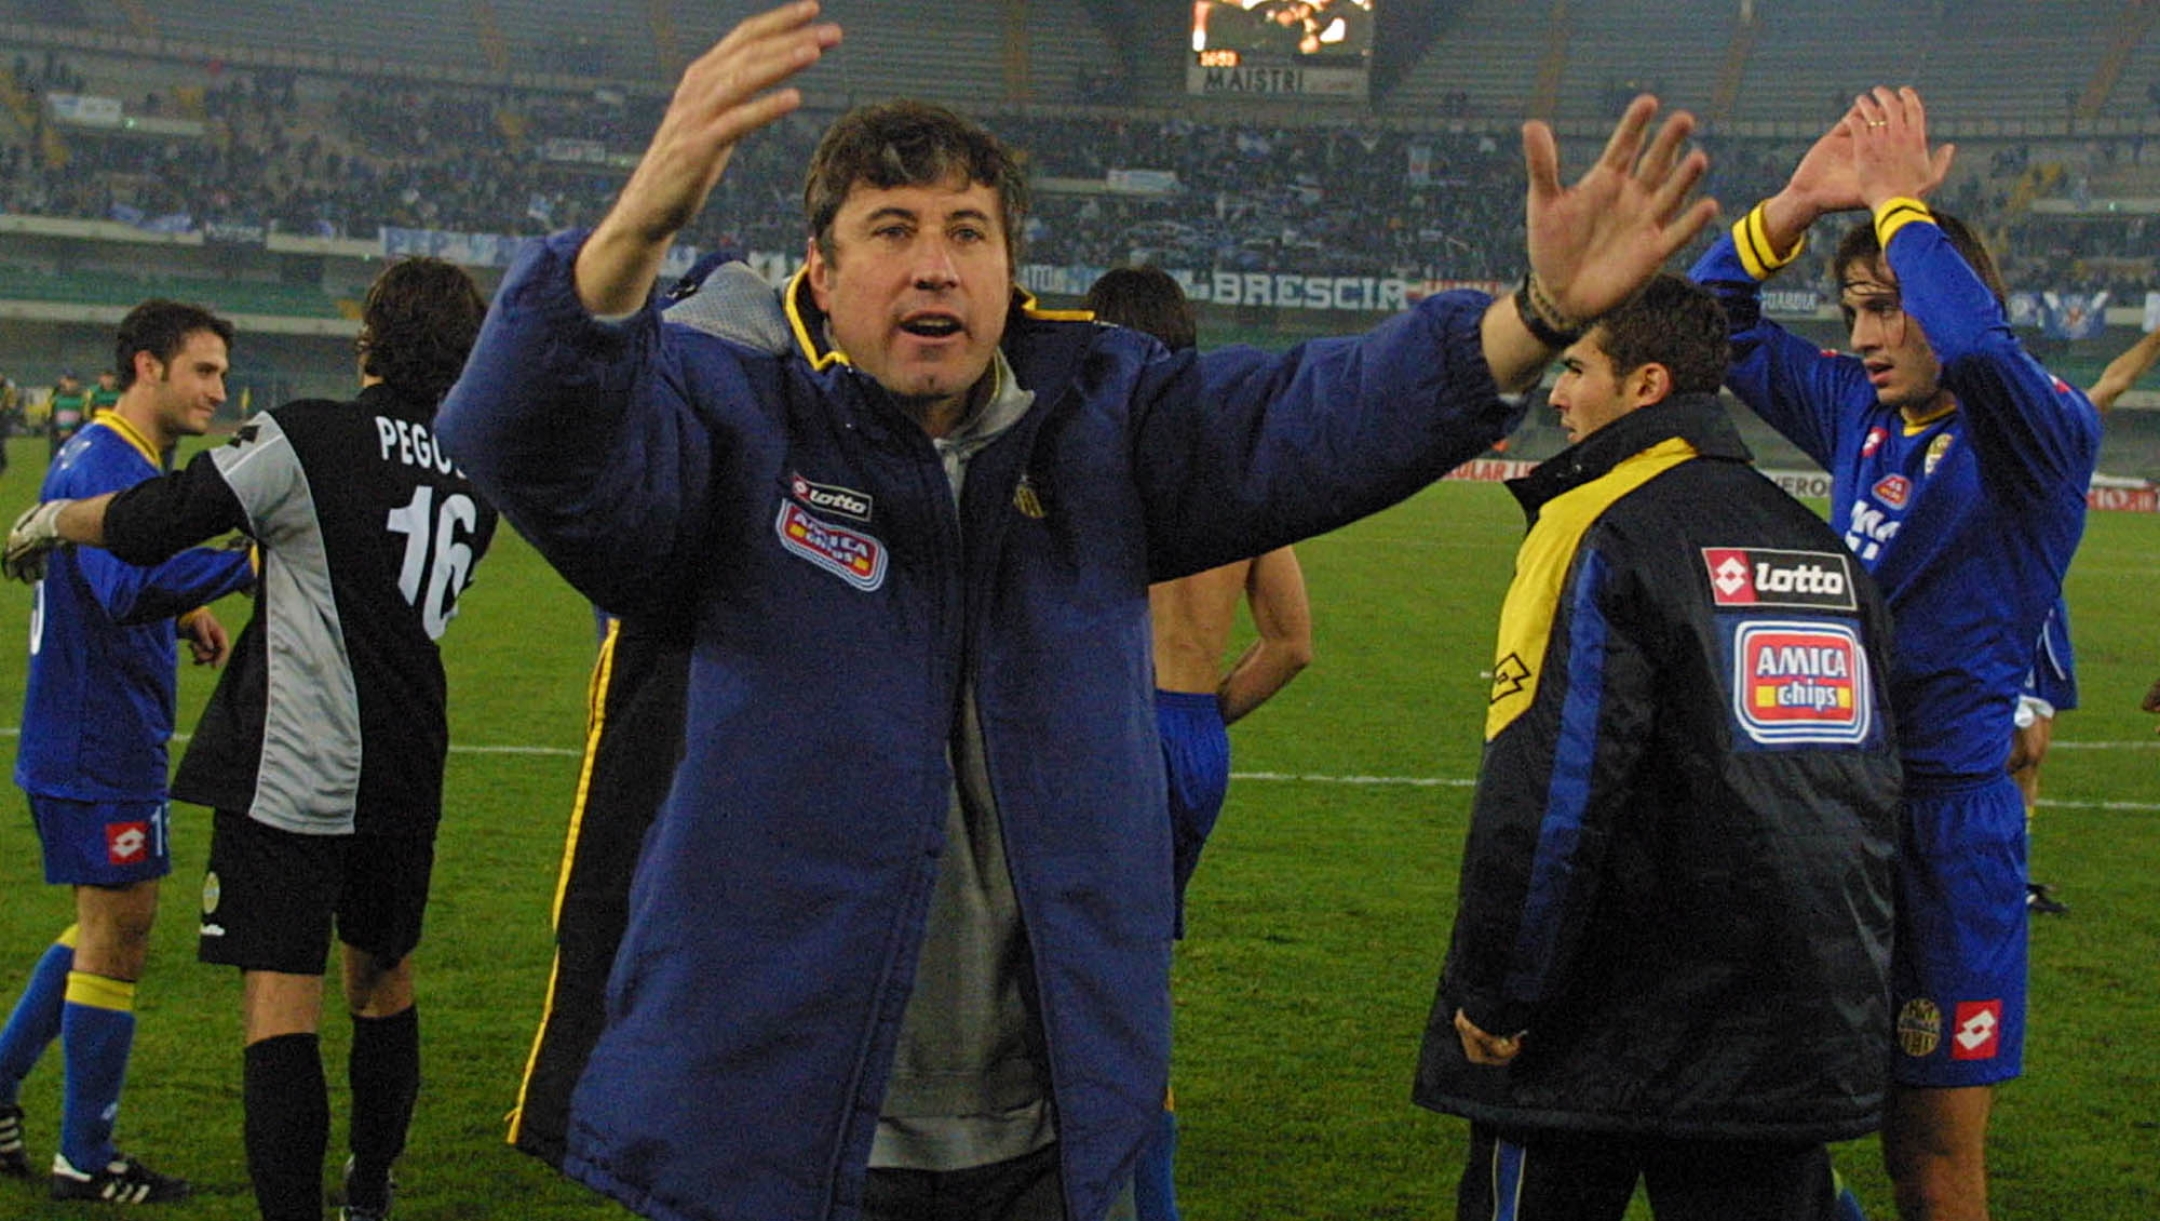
(1317,925)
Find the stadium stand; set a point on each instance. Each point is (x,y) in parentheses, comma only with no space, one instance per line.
(516,117)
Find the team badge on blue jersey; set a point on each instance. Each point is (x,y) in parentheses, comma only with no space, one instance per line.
(1935,451)
(1801,682)
(851,555)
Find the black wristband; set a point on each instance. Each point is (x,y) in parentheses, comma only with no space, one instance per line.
(1545,332)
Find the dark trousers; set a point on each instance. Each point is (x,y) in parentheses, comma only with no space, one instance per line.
(1025,1188)
(1553,1176)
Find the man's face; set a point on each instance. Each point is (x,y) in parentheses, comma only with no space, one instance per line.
(918,287)
(1900,364)
(186,392)
(1591,393)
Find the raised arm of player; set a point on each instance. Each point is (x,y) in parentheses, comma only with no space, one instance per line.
(727,94)
(1593,244)
(2123,371)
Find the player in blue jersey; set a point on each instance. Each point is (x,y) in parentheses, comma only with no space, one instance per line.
(2051,686)
(1959,468)
(97,713)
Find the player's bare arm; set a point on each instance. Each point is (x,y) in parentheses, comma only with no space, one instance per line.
(1593,244)
(1282,617)
(2123,371)
(725,95)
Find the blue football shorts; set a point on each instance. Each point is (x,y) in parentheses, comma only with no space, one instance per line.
(1196,750)
(102,843)
(1958,967)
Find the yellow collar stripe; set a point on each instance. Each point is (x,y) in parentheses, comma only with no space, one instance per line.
(118,423)
(1541,568)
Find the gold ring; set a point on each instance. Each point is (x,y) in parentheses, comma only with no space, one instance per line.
(1878,122)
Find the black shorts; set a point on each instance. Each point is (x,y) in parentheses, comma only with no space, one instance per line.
(1572,1176)
(271,897)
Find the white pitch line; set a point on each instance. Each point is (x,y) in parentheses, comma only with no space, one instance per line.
(1414,782)
(1422,782)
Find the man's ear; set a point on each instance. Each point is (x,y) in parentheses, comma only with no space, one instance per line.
(1650,383)
(148,368)
(820,276)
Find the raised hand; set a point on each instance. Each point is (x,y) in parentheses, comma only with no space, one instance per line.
(1890,154)
(1594,244)
(725,95)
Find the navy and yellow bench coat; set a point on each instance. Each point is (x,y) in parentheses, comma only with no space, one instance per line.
(1677,881)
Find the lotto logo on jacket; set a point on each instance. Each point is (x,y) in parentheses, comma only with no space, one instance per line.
(1798,683)
(1812,580)
(851,555)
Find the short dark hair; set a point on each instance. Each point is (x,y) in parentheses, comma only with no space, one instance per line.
(906,143)
(161,328)
(1146,299)
(1673,322)
(418,325)
(1860,246)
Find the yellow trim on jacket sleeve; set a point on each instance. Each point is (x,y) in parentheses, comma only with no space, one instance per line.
(100,992)
(1541,569)
(1030,308)
(68,935)
(1894,214)
(1751,237)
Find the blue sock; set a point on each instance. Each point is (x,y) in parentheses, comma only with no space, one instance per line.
(36,1020)
(97,1030)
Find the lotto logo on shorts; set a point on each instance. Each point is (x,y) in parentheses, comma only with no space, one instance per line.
(851,555)
(1800,682)
(126,842)
(1813,580)
(1979,1030)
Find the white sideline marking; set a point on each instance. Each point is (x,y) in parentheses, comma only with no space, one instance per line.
(1415,782)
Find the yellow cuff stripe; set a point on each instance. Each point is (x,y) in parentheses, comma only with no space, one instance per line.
(1752,237)
(67,936)
(99,992)
(1894,214)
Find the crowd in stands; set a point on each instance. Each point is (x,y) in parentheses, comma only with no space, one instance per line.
(1332,200)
